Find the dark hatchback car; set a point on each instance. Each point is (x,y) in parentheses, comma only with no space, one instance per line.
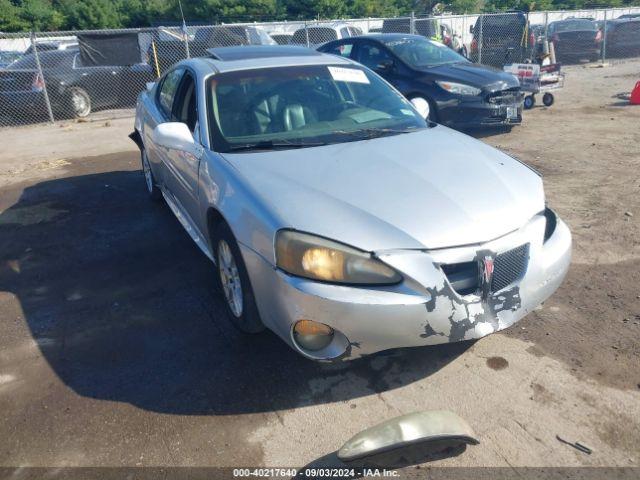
(74,89)
(501,39)
(443,85)
(575,39)
(622,37)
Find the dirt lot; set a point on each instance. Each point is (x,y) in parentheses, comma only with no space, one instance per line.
(112,352)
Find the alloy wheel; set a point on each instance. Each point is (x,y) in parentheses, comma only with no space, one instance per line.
(230,278)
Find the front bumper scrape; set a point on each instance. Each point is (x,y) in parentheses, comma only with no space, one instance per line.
(423,309)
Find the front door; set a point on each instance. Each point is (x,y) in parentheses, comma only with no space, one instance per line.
(184,165)
(378,59)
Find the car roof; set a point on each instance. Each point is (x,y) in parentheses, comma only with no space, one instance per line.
(334,25)
(259,51)
(263,56)
(382,37)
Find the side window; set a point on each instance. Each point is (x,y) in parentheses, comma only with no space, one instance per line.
(168,89)
(342,50)
(344,32)
(185,106)
(371,55)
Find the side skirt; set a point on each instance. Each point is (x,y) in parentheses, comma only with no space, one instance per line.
(188,225)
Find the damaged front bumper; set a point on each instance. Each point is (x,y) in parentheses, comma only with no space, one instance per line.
(424,309)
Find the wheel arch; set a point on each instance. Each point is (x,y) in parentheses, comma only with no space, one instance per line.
(215,218)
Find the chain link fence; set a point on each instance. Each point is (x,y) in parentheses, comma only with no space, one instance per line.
(49,77)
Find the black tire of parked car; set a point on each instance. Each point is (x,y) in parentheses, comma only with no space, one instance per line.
(77,103)
(547,99)
(155,194)
(249,319)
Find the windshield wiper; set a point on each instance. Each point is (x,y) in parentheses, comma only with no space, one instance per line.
(273,145)
(368,133)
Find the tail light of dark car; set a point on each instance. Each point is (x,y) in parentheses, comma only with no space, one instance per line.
(38,83)
(532,39)
(599,36)
(474,45)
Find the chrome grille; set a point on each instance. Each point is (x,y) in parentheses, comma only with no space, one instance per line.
(505,97)
(509,267)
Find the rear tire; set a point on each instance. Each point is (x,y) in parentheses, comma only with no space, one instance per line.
(233,281)
(547,99)
(78,104)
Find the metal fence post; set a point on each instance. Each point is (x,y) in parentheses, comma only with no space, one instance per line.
(604,39)
(185,37)
(44,83)
(306,32)
(412,23)
(481,19)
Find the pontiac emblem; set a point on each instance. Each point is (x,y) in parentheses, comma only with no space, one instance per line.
(486,275)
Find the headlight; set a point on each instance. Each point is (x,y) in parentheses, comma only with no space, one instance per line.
(458,88)
(317,258)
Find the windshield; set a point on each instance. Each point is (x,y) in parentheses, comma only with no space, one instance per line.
(289,107)
(420,52)
(47,60)
(571,25)
(316,35)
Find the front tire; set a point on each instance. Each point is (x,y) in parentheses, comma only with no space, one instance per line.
(233,281)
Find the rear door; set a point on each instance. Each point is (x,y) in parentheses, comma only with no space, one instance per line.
(102,83)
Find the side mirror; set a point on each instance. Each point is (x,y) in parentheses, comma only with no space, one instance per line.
(471,29)
(384,66)
(388,442)
(173,135)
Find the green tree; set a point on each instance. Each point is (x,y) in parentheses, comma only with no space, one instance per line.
(139,13)
(372,8)
(225,10)
(39,14)
(464,6)
(90,14)
(10,19)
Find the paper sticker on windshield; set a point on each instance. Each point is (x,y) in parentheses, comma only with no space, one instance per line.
(340,74)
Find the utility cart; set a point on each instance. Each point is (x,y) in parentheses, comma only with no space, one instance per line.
(537,79)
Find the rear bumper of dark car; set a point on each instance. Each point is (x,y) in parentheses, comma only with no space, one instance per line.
(460,112)
(577,51)
(26,101)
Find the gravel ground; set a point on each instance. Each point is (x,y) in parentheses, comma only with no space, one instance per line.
(113,353)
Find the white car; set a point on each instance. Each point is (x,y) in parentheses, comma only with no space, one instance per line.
(319,33)
(336,215)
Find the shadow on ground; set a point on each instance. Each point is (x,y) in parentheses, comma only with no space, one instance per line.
(122,305)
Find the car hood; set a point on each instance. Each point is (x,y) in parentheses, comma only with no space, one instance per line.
(423,190)
(480,76)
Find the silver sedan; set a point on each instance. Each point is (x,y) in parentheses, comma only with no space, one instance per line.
(335,215)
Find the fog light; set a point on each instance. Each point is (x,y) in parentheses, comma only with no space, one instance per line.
(312,335)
